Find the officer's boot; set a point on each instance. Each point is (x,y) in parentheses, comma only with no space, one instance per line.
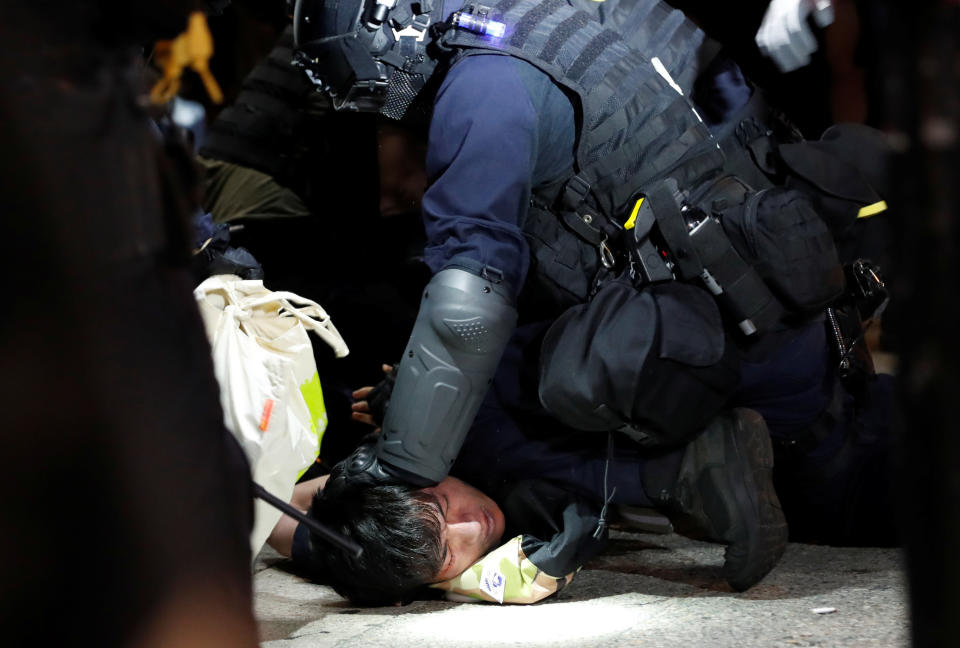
(724,488)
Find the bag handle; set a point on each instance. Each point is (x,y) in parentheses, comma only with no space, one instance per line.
(323,326)
(309,313)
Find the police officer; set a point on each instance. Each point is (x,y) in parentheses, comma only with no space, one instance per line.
(586,164)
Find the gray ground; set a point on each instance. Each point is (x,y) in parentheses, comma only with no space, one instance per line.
(647,590)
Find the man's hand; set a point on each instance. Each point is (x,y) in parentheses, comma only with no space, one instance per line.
(370,403)
(361,408)
(785,35)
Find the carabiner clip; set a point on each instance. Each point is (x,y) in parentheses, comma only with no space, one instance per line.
(606,256)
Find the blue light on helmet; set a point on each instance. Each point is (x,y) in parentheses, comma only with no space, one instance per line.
(496,29)
(476,19)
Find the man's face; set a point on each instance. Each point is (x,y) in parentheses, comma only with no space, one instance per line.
(471,525)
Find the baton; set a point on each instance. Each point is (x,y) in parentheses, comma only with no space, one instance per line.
(326,533)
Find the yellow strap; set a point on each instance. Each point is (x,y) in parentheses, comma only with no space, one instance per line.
(633,215)
(192,48)
(872,210)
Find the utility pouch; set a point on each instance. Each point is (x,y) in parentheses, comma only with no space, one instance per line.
(844,173)
(654,364)
(780,234)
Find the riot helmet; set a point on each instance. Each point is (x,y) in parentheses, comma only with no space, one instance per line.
(378,55)
(366,55)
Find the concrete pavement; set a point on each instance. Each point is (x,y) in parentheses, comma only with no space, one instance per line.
(646,590)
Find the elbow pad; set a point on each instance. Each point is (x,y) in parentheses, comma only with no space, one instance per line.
(462,329)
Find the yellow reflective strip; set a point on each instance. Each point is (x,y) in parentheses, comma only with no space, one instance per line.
(872,210)
(633,215)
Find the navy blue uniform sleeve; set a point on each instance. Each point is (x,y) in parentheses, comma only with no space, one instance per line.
(480,159)
(302,554)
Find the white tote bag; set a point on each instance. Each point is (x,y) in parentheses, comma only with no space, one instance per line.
(269,387)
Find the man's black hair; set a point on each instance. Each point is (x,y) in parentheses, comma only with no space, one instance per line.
(398,527)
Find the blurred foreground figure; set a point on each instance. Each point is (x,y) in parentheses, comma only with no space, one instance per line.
(920,103)
(126,502)
(785,35)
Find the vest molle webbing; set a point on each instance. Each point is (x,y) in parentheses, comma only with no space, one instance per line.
(636,127)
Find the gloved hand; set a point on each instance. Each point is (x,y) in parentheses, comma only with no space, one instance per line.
(785,35)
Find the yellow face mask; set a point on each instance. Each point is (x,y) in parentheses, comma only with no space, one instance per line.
(505,575)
